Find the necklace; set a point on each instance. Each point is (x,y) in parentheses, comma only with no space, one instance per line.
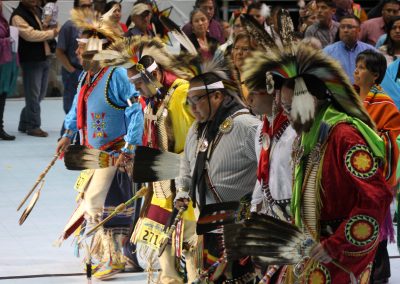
(202,145)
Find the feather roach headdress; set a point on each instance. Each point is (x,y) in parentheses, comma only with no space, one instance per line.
(309,68)
(127,52)
(99,28)
(196,67)
(158,28)
(267,40)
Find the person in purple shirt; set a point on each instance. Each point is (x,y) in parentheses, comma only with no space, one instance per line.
(214,29)
(348,47)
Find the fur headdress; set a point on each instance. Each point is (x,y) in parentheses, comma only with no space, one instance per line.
(309,67)
(98,27)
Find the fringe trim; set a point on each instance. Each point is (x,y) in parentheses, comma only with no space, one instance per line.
(96,245)
(387,230)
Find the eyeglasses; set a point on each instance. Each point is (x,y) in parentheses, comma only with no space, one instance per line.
(391,11)
(86,5)
(349,27)
(191,101)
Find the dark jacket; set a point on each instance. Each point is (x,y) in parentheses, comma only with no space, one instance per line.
(29,51)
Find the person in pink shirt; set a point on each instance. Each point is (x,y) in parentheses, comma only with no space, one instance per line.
(372,29)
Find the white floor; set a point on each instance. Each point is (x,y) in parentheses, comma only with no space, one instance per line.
(27,250)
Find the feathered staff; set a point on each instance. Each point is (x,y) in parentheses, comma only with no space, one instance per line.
(170,231)
(120,208)
(36,196)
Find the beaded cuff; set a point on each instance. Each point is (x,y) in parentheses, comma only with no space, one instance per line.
(128,148)
(69,133)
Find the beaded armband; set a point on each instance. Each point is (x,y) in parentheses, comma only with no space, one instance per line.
(132,100)
(182,189)
(69,133)
(128,148)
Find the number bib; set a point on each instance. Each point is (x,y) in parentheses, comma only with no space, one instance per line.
(83,180)
(148,232)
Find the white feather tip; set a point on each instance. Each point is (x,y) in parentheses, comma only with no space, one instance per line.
(303,104)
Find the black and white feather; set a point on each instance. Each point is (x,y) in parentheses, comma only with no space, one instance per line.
(272,240)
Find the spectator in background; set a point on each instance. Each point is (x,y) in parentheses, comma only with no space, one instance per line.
(50,15)
(115,18)
(326,28)
(347,8)
(372,29)
(201,39)
(242,48)
(227,30)
(260,12)
(33,51)
(140,17)
(391,46)
(66,54)
(313,42)
(391,82)
(50,20)
(307,15)
(371,68)
(376,11)
(214,28)
(237,28)
(346,50)
(8,70)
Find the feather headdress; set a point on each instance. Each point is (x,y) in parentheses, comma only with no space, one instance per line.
(158,28)
(195,66)
(257,32)
(305,65)
(180,36)
(127,52)
(267,40)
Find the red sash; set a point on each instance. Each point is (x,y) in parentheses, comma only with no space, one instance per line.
(263,164)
